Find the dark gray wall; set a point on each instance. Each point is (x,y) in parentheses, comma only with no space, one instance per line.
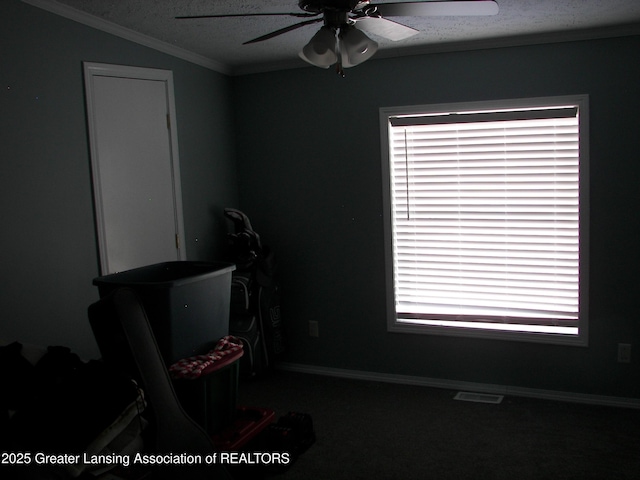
(48,243)
(310,178)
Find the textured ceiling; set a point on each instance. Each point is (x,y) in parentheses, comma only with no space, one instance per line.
(220,39)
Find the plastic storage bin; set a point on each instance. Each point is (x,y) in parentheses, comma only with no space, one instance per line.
(187,303)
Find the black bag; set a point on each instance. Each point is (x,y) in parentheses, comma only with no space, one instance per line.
(241,286)
(271,319)
(255,315)
(245,328)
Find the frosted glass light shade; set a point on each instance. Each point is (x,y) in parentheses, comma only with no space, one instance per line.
(321,49)
(355,47)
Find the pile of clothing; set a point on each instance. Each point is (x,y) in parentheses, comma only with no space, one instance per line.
(53,402)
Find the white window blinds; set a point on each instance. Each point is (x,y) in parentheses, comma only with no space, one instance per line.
(485,216)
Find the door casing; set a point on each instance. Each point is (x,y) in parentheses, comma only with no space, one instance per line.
(135,165)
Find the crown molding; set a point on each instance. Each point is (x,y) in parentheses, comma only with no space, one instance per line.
(100,24)
(84,18)
(564,36)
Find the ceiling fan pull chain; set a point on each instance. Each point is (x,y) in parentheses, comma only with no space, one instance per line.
(339,69)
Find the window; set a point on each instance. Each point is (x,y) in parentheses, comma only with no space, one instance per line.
(486,227)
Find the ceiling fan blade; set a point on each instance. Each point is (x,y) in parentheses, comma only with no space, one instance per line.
(385,28)
(428,9)
(300,15)
(283,30)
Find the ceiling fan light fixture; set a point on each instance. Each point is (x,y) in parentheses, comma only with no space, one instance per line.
(321,49)
(355,46)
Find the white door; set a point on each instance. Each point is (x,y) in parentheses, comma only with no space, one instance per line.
(134,156)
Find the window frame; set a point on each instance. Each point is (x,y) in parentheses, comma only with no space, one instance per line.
(399,326)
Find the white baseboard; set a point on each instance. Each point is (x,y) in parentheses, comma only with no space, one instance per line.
(561,396)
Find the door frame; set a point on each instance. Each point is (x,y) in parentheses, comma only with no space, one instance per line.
(92,70)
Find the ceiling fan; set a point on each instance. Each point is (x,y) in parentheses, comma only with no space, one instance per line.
(341,39)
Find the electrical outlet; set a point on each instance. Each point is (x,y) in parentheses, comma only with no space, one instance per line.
(313,329)
(624,353)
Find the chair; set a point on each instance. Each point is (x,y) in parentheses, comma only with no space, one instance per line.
(126,341)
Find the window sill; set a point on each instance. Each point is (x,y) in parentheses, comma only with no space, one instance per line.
(523,333)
